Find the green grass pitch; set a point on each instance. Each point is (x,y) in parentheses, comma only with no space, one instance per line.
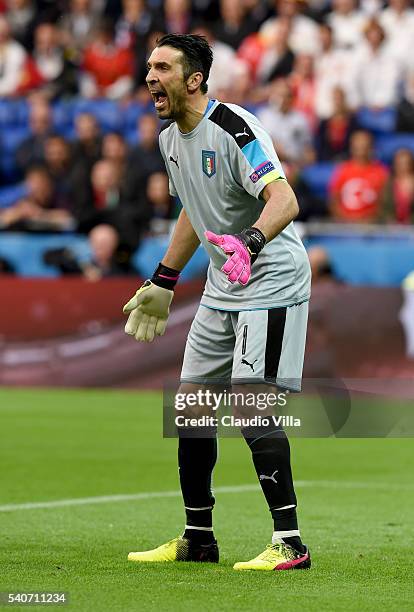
(355,507)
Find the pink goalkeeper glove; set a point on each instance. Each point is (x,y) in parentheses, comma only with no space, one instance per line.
(243,249)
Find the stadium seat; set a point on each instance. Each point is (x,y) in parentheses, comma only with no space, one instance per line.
(11,138)
(68,132)
(108,113)
(380,122)
(317,178)
(10,174)
(62,115)
(132,112)
(22,111)
(13,112)
(131,136)
(9,114)
(386,145)
(9,195)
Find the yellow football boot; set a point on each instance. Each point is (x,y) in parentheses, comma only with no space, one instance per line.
(277,557)
(179,549)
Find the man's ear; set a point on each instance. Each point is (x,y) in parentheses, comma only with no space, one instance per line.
(194,81)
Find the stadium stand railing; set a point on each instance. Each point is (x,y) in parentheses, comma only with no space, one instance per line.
(360,255)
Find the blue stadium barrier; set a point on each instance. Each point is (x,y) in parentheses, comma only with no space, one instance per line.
(25,251)
(382,121)
(151,251)
(377,261)
(317,178)
(9,195)
(386,145)
(368,260)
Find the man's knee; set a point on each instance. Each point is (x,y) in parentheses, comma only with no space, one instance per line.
(252,400)
(194,400)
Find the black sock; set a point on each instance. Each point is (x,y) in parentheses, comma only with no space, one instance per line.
(286,521)
(271,457)
(196,460)
(296,543)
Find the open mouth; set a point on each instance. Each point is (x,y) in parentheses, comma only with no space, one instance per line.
(160,99)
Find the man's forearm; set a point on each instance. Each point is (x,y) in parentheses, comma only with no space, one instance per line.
(183,244)
(280,209)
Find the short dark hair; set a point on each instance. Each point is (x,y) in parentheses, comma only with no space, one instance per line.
(106,25)
(38,169)
(197,54)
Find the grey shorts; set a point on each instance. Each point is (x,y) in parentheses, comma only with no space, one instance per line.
(249,346)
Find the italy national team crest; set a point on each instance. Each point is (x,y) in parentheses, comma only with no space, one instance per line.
(209,163)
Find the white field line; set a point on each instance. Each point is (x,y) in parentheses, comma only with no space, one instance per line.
(110,499)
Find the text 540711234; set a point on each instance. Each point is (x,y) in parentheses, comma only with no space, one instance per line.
(33,598)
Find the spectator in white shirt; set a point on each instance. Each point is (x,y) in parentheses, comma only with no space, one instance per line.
(332,70)
(398,23)
(277,59)
(47,53)
(77,24)
(347,24)
(12,61)
(288,128)
(21,16)
(377,74)
(58,73)
(304,31)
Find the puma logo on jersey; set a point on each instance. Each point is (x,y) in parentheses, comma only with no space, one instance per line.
(243,133)
(175,161)
(251,365)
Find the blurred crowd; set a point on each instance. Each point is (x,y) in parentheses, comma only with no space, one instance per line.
(306,68)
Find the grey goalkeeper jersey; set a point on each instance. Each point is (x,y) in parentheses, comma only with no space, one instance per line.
(218,170)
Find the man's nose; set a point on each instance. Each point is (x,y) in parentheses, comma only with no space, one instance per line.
(151,78)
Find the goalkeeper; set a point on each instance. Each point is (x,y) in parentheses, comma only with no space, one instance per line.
(250,328)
